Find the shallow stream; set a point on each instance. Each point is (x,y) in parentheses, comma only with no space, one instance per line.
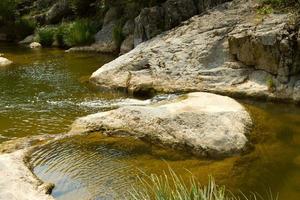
(44,91)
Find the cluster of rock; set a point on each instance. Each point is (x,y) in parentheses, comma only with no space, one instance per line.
(223,51)
(148,24)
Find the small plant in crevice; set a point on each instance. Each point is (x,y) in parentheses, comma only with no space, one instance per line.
(265,10)
(270,83)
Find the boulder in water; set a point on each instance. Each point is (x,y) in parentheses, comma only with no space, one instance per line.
(4,62)
(202,123)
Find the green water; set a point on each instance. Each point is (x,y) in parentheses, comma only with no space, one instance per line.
(45,90)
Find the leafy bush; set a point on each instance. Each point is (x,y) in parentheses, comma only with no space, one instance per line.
(118,36)
(60,34)
(24,27)
(7,10)
(170,186)
(46,36)
(80,32)
(265,10)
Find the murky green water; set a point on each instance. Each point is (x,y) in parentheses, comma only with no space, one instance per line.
(45,90)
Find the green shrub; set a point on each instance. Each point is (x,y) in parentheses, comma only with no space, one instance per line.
(265,10)
(60,34)
(7,10)
(46,36)
(80,32)
(24,27)
(270,83)
(170,186)
(118,36)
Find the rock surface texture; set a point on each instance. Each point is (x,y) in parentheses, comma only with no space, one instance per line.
(4,62)
(17,182)
(149,23)
(207,53)
(204,124)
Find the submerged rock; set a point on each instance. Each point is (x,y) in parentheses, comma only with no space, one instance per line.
(4,62)
(204,124)
(17,181)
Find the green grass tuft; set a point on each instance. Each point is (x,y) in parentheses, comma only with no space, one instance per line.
(46,36)
(80,32)
(170,186)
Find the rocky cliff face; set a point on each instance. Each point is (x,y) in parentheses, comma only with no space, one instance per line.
(150,22)
(272,46)
(223,51)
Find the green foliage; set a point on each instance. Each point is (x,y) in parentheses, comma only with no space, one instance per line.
(270,84)
(118,36)
(46,36)
(265,10)
(80,32)
(170,186)
(24,27)
(7,10)
(60,34)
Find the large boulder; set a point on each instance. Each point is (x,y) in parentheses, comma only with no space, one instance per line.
(18,182)
(196,57)
(177,11)
(57,12)
(128,28)
(127,45)
(148,24)
(270,45)
(4,62)
(202,123)
(29,39)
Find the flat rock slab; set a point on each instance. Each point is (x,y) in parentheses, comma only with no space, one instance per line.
(202,123)
(17,182)
(4,62)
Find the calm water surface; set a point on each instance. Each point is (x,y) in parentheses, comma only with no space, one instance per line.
(45,90)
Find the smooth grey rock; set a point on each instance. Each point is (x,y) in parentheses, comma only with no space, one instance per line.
(177,11)
(57,12)
(127,45)
(204,124)
(128,28)
(148,24)
(29,39)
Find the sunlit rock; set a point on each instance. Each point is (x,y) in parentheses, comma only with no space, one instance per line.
(202,123)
